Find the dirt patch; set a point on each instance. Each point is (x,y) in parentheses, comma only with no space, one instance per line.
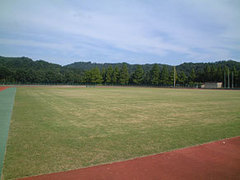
(216,160)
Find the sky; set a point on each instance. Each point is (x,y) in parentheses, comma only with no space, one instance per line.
(134,31)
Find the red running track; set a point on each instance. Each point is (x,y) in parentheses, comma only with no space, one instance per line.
(216,160)
(3,87)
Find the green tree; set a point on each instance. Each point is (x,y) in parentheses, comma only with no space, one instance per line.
(21,76)
(235,75)
(154,74)
(96,77)
(164,76)
(25,70)
(207,74)
(225,76)
(137,77)
(5,73)
(103,73)
(182,78)
(109,75)
(192,76)
(115,76)
(40,78)
(238,79)
(124,75)
(219,74)
(147,78)
(213,75)
(87,76)
(69,77)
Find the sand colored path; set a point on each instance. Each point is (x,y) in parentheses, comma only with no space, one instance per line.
(216,160)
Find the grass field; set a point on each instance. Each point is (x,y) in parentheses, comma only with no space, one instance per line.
(56,129)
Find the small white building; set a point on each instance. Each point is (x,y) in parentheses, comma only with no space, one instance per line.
(212,85)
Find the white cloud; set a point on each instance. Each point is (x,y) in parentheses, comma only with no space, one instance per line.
(152,27)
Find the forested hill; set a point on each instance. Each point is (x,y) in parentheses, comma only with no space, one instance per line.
(25,70)
(186,67)
(26,63)
(131,67)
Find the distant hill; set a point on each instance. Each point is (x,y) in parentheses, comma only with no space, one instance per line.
(25,62)
(186,67)
(26,70)
(90,65)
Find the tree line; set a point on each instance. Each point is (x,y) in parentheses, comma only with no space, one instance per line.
(26,71)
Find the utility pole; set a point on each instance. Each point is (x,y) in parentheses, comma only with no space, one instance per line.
(232,80)
(228,80)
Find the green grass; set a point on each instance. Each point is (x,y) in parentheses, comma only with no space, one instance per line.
(56,129)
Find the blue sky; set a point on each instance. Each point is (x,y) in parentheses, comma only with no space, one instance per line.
(133,31)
